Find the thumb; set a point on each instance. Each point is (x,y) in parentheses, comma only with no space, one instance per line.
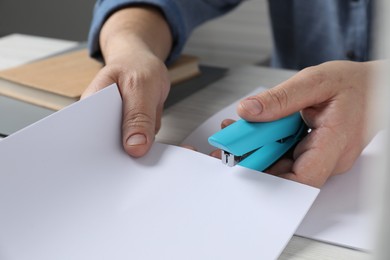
(139,112)
(305,89)
(140,123)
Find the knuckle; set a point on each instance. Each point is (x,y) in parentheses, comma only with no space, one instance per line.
(135,79)
(137,119)
(312,76)
(279,96)
(146,82)
(131,80)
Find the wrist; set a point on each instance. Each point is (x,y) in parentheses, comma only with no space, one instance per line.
(125,45)
(133,29)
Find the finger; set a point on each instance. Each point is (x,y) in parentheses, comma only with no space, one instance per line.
(98,83)
(308,87)
(316,158)
(325,138)
(314,175)
(227,122)
(216,154)
(140,119)
(190,147)
(282,166)
(160,109)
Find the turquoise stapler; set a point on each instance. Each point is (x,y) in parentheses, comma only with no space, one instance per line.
(258,145)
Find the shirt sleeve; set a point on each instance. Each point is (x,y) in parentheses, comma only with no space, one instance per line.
(182,17)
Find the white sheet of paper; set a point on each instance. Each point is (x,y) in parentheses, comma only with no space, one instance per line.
(344,212)
(340,214)
(69,191)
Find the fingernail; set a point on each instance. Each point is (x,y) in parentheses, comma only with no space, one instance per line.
(252,106)
(137,139)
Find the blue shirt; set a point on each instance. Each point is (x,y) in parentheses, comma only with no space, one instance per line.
(305,32)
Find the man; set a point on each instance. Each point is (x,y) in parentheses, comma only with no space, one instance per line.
(137,38)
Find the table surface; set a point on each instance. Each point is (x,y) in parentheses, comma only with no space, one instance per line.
(182,118)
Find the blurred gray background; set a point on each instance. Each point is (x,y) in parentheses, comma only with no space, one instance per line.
(241,37)
(67,19)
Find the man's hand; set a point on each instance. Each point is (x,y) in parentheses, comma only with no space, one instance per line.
(134,42)
(332,98)
(144,84)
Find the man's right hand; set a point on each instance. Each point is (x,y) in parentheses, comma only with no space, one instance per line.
(134,42)
(143,82)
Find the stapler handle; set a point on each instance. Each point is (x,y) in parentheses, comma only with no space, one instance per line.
(242,136)
(266,141)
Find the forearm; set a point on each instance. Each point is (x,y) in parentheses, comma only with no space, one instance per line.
(135,28)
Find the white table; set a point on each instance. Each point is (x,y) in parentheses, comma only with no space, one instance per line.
(182,118)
